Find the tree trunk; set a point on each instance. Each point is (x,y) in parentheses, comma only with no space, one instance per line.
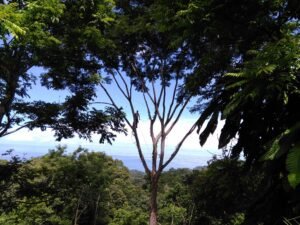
(153,201)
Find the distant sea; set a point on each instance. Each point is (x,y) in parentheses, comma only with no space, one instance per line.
(186,158)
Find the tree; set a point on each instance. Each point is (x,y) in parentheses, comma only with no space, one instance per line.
(150,62)
(256,93)
(223,191)
(55,36)
(176,203)
(160,111)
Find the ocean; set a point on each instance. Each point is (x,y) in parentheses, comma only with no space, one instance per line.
(186,158)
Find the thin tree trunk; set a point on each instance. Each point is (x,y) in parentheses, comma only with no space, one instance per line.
(153,200)
(96,209)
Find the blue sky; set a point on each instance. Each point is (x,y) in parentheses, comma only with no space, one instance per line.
(33,143)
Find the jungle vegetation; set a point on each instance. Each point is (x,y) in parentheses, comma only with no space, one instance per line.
(240,59)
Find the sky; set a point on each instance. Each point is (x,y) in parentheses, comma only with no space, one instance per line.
(35,143)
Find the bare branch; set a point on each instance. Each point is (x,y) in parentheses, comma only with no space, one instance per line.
(3,134)
(163,90)
(130,89)
(160,96)
(173,98)
(131,126)
(163,86)
(177,148)
(137,139)
(119,86)
(8,124)
(164,103)
(147,106)
(141,155)
(145,89)
(178,115)
(125,84)
(154,92)
(103,103)
(153,100)
(114,104)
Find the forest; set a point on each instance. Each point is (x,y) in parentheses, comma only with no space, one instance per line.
(232,63)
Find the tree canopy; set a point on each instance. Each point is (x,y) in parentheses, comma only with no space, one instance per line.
(55,36)
(255,82)
(239,58)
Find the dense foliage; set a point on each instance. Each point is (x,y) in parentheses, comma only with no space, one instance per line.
(89,188)
(256,91)
(240,58)
(79,188)
(55,37)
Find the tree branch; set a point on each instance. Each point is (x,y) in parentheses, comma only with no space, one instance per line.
(177,148)
(114,104)
(147,106)
(164,103)
(173,98)
(104,103)
(3,134)
(178,116)
(141,155)
(124,82)
(119,86)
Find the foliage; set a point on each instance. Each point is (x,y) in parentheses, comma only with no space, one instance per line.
(173,214)
(82,188)
(224,185)
(129,216)
(241,60)
(58,38)
(59,187)
(254,64)
(176,205)
(272,76)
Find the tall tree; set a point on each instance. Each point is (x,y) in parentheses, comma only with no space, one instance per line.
(153,63)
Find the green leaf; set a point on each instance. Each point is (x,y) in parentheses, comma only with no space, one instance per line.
(293,165)
(268,69)
(233,104)
(278,146)
(272,152)
(13,28)
(206,114)
(210,128)
(236,84)
(234,74)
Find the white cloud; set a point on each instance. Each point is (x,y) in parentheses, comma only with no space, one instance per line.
(181,128)
(35,136)
(124,145)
